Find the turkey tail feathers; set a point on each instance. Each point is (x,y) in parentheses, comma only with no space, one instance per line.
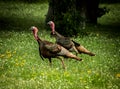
(76,44)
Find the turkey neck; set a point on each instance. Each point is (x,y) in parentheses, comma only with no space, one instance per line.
(39,40)
(37,37)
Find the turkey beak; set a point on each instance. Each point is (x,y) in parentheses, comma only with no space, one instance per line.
(31,29)
(48,23)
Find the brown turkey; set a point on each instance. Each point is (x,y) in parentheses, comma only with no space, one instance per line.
(67,42)
(50,50)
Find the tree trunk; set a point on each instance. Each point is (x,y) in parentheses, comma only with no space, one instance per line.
(56,8)
(92,9)
(72,14)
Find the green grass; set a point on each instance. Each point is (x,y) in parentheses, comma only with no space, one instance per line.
(22,68)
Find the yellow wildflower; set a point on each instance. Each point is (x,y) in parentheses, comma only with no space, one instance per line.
(89,71)
(16,64)
(14,52)
(42,73)
(22,64)
(81,78)
(66,74)
(7,52)
(118,75)
(2,55)
(9,55)
(84,81)
(16,60)
(97,74)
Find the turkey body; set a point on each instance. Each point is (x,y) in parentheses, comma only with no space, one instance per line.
(51,50)
(67,42)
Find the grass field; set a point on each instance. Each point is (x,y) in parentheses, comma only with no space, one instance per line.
(22,68)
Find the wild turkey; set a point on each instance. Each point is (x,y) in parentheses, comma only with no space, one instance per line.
(50,50)
(67,42)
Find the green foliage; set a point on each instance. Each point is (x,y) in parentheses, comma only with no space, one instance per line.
(109,1)
(22,68)
(69,25)
(28,1)
(67,18)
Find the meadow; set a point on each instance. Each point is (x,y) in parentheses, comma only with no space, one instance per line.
(22,68)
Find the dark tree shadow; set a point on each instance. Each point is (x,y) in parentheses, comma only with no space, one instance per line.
(18,24)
